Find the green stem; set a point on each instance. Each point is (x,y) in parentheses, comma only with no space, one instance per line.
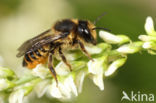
(25,79)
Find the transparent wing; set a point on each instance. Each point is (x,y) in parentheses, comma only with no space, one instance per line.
(38,41)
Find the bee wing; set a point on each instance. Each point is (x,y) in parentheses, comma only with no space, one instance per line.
(28,44)
(38,41)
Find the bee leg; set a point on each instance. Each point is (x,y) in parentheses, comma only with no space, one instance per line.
(64,58)
(84,50)
(51,67)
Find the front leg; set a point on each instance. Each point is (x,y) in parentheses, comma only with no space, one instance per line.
(51,67)
(84,50)
(64,58)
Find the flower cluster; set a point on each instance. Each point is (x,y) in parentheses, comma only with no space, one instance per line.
(150,39)
(106,60)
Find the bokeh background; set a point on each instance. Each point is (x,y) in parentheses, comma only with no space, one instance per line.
(23,19)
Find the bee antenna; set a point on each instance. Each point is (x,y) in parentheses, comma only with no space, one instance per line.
(98,18)
(102,28)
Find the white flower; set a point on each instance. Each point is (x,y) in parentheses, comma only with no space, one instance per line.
(150,39)
(42,87)
(79,80)
(113,39)
(130,48)
(114,66)
(62,69)
(98,80)
(20,91)
(69,85)
(3,84)
(65,89)
(17,96)
(149,26)
(96,68)
(54,91)
(40,71)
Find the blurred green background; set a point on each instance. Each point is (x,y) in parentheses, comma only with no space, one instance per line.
(23,19)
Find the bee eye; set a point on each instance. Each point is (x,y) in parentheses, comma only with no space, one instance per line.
(80,30)
(84,32)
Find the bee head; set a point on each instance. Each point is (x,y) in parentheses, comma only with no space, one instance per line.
(86,32)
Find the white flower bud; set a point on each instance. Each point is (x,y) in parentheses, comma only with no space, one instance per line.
(152,52)
(93,49)
(126,49)
(114,66)
(149,45)
(149,26)
(5,72)
(5,84)
(147,38)
(113,39)
(130,48)
(108,37)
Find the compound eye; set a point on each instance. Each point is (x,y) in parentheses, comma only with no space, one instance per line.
(80,30)
(86,31)
(83,31)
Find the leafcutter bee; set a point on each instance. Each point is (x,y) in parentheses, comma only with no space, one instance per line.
(68,33)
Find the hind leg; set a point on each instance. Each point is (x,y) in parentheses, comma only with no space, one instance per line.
(51,67)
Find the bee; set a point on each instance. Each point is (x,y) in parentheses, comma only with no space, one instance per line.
(64,34)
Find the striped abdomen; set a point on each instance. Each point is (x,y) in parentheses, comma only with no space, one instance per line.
(32,58)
